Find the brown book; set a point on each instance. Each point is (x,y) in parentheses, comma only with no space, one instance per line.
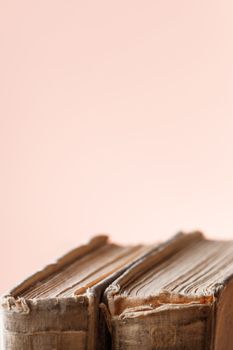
(178,297)
(58,307)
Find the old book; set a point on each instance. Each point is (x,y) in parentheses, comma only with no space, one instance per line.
(177,297)
(58,307)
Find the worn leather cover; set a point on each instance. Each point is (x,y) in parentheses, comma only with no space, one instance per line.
(64,323)
(59,323)
(134,324)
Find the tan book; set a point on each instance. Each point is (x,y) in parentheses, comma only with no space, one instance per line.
(179,297)
(58,307)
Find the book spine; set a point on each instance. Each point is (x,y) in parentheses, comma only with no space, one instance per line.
(59,324)
(172,327)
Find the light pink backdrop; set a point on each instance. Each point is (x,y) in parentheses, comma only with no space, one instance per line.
(115,116)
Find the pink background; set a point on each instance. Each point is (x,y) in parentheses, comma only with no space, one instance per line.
(115,116)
